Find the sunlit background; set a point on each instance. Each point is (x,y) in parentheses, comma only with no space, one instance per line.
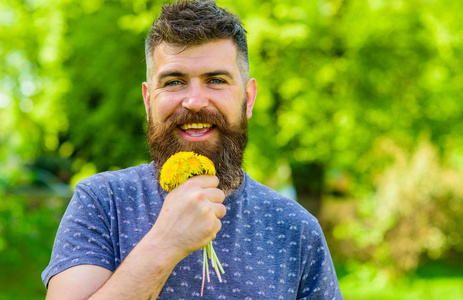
(359,117)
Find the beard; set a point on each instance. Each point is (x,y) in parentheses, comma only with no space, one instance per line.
(226,152)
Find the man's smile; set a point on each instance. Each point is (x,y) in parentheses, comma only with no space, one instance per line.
(196,130)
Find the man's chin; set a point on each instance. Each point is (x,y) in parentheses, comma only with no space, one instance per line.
(205,147)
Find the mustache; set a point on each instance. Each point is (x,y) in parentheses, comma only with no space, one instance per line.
(185,116)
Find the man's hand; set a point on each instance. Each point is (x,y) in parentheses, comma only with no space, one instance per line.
(190,216)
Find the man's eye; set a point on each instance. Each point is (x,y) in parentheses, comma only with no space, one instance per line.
(173,82)
(216,81)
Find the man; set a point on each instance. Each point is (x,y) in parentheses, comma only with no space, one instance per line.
(123,237)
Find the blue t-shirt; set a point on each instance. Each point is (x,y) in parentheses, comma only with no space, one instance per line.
(269,246)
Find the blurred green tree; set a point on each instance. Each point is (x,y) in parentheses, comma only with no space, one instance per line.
(336,79)
(104,104)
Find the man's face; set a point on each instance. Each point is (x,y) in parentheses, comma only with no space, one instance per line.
(197,101)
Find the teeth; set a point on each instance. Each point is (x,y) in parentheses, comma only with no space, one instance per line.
(195,126)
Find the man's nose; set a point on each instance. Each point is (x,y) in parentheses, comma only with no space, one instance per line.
(196,98)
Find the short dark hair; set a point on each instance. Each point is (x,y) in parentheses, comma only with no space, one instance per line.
(191,23)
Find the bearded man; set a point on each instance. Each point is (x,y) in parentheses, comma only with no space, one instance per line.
(124,237)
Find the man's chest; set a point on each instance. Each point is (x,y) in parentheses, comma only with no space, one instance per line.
(257,276)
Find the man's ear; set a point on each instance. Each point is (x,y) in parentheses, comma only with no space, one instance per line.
(146,98)
(251,94)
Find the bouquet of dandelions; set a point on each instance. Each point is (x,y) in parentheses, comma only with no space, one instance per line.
(178,168)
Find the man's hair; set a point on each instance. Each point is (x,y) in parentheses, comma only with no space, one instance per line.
(190,23)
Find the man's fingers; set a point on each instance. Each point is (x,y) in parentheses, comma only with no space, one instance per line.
(215,195)
(204,181)
(207,191)
(219,210)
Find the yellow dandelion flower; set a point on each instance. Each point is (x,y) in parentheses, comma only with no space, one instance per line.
(183,165)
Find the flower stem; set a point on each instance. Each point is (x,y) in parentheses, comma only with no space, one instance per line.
(204,269)
(209,252)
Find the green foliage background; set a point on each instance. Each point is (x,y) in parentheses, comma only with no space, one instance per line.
(370,91)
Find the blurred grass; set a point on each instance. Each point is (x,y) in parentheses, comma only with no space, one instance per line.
(410,289)
(434,280)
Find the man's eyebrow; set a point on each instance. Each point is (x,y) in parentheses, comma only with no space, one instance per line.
(218,72)
(165,74)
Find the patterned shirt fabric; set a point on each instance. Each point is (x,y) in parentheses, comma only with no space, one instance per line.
(269,246)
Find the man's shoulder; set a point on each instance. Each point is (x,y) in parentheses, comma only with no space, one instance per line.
(266,198)
(133,180)
(141,172)
(255,188)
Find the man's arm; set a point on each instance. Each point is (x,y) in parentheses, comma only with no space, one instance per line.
(188,221)
(141,276)
(78,282)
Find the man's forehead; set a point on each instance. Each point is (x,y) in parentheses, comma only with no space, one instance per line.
(221,52)
(177,48)
(170,49)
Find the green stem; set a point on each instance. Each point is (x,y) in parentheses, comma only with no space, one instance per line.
(209,252)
